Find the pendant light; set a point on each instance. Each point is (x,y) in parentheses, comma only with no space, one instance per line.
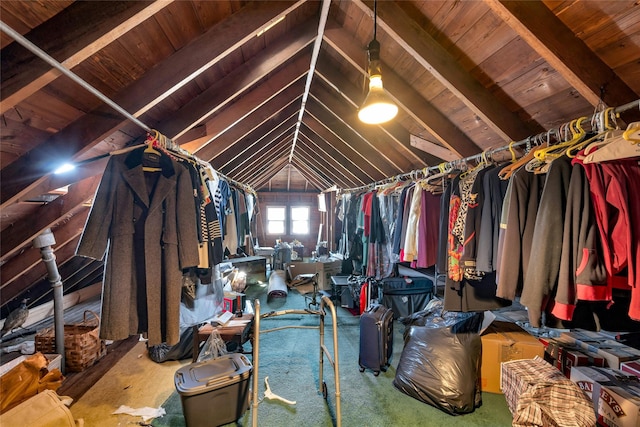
(378,107)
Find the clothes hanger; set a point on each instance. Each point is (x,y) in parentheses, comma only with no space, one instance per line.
(509,170)
(577,135)
(151,151)
(614,146)
(632,134)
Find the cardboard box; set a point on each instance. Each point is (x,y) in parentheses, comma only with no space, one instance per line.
(324,269)
(563,356)
(615,394)
(502,342)
(631,367)
(612,351)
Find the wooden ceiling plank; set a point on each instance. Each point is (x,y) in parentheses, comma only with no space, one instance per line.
(276,125)
(249,103)
(31,277)
(70,37)
(371,135)
(146,92)
(349,93)
(435,58)
(375,158)
(247,124)
(311,176)
(28,228)
(63,233)
(329,152)
(242,168)
(320,169)
(407,98)
(331,169)
(266,175)
(329,141)
(569,55)
(233,85)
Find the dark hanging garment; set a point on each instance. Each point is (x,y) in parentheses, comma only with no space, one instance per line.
(398,230)
(541,278)
(149,235)
(443,227)
(494,190)
(525,196)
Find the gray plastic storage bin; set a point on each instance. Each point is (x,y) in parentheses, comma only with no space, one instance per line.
(216,391)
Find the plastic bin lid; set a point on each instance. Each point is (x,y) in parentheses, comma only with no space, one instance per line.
(197,378)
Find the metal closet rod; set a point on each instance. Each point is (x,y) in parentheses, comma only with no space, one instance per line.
(67,72)
(73,76)
(527,141)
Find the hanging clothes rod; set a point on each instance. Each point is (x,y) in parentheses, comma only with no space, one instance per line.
(487,153)
(67,72)
(73,76)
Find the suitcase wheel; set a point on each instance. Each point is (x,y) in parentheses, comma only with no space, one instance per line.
(376,373)
(361,369)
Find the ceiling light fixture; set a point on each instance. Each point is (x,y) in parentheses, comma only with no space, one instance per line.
(378,107)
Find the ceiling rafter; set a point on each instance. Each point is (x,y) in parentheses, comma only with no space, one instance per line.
(66,233)
(235,84)
(434,57)
(569,55)
(70,37)
(156,85)
(338,159)
(407,98)
(334,97)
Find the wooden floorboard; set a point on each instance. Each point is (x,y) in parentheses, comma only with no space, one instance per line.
(76,384)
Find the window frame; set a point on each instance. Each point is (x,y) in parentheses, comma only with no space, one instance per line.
(291,220)
(284,221)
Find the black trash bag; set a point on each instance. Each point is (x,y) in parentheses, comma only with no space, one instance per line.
(441,366)
(182,350)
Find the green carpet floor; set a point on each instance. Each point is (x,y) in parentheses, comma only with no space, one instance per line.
(290,358)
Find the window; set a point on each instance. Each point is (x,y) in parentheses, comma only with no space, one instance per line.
(300,220)
(275,220)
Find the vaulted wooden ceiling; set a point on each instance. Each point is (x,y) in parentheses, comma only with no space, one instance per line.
(277,109)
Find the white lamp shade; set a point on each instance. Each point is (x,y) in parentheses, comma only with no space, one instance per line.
(378,107)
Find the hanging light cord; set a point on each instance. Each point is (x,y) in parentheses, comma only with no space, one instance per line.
(375,18)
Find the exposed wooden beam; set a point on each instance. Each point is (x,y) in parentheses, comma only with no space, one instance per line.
(70,37)
(332,169)
(340,88)
(393,151)
(341,161)
(31,257)
(253,100)
(247,124)
(157,84)
(432,148)
(274,126)
(406,97)
(244,168)
(30,227)
(377,160)
(31,276)
(559,46)
(432,56)
(226,90)
(266,175)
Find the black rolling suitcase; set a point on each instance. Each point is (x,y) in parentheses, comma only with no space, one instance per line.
(406,295)
(376,339)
